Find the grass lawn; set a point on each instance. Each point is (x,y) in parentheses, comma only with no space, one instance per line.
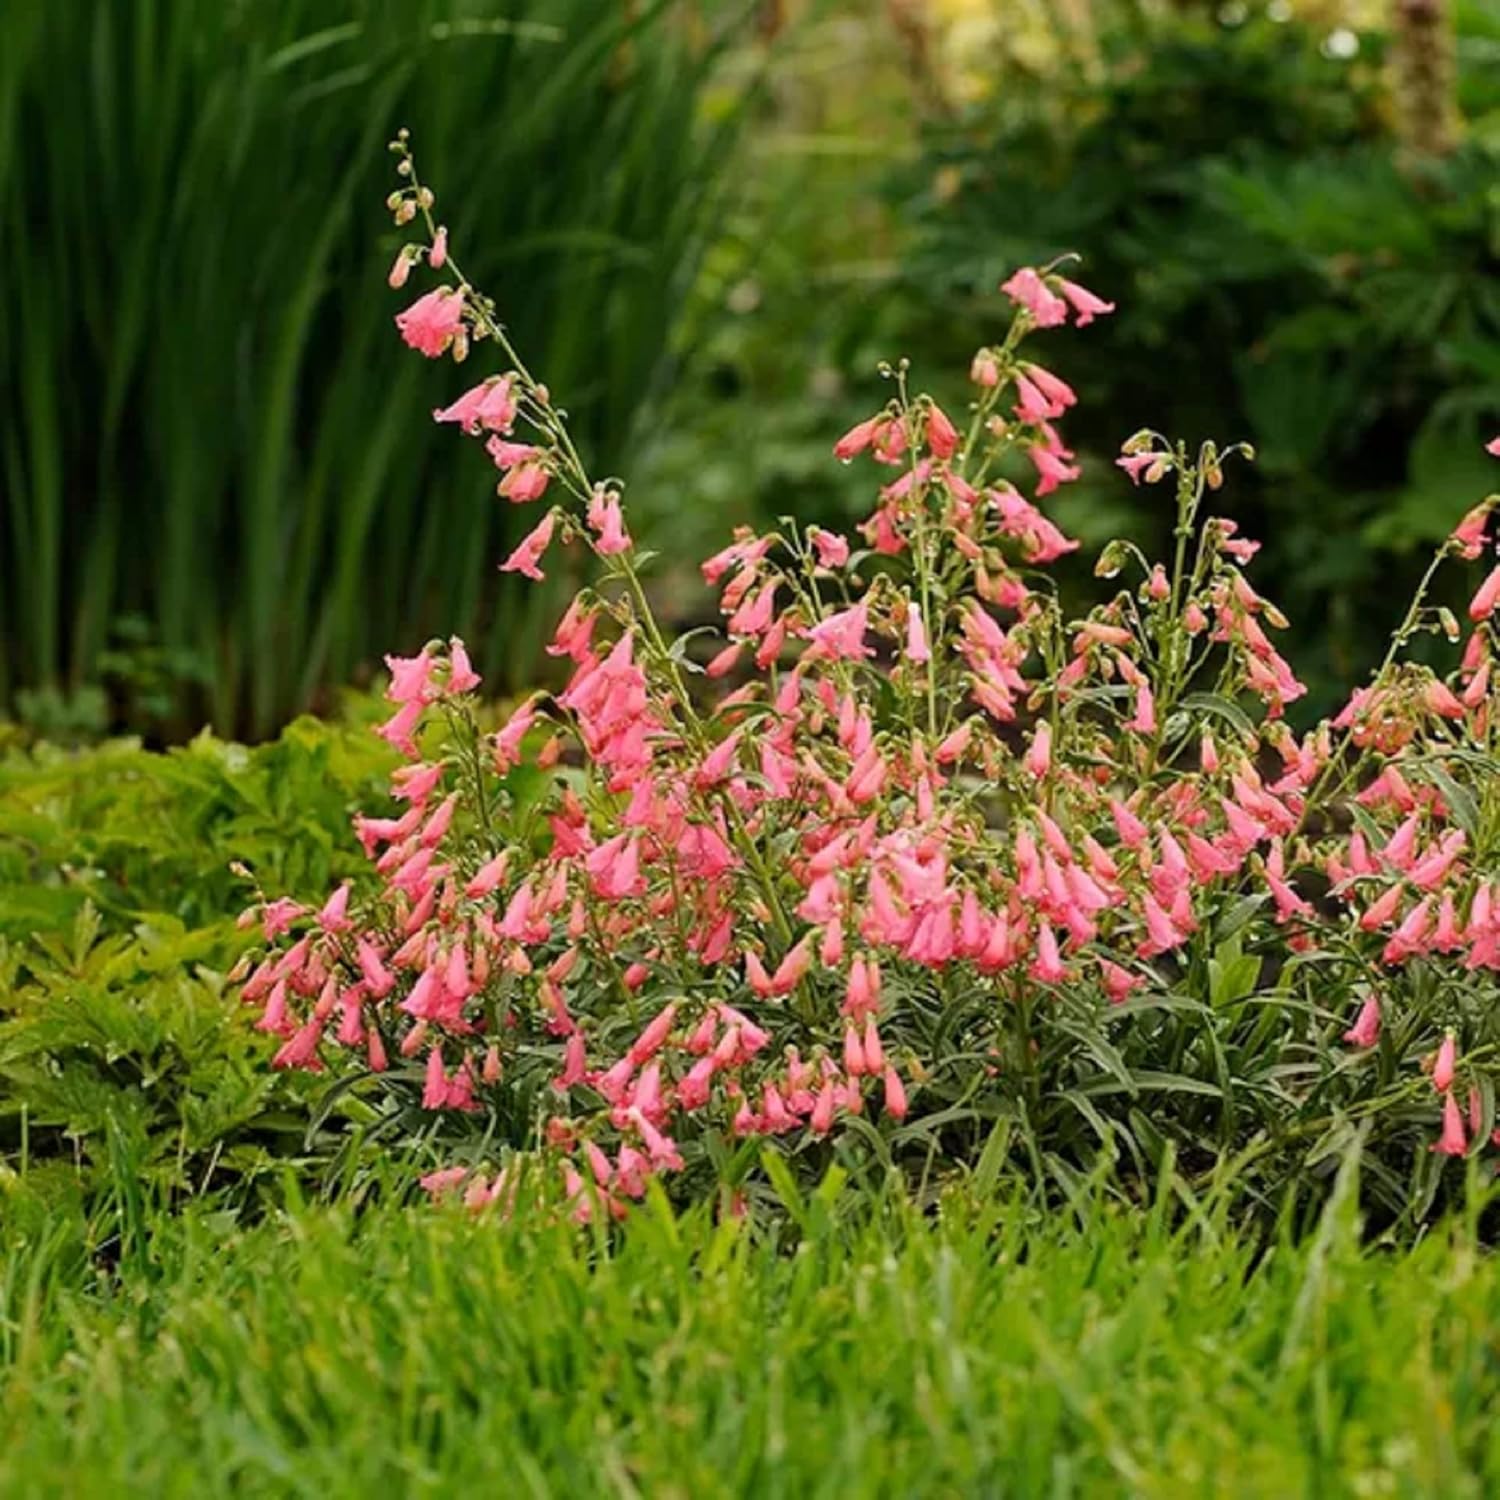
(402,1350)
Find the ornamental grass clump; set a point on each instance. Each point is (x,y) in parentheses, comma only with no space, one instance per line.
(910,865)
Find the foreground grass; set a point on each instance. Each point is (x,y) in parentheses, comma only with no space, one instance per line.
(410,1351)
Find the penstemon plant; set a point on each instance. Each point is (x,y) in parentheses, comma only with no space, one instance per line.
(912,861)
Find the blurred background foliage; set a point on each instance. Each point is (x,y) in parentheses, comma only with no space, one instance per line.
(709,221)
(209,425)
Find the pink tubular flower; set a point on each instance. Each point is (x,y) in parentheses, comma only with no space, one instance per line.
(1057,393)
(526,482)
(841,636)
(917,649)
(1136,464)
(437,256)
(608,522)
(430,323)
(1031,292)
(1048,967)
(942,435)
(985,370)
(1032,406)
(1452,1142)
(895,1095)
(1039,756)
(1143,720)
(1447,1059)
(1086,305)
(462,678)
(1119,982)
(1482,605)
(1365,1032)
(1468,535)
(857,439)
(832,549)
(333,917)
(1161,935)
(1493,447)
(652,1039)
(488,406)
(1052,467)
(527,557)
(399,730)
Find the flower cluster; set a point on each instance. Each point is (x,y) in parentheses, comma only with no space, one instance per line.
(851,863)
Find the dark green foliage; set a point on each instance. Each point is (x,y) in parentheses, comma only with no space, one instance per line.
(210,422)
(118,1032)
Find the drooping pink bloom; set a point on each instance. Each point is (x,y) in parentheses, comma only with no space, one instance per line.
(1469,533)
(821,1119)
(651,1040)
(1119,982)
(917,649)
(301,1050)
(1086,305)
(1161,935)
(526,482)
(1365,1032)
(1047,966)
(1135,464)
(462,678)
(854,1052)
(1057,393)
(527,556)
(490,406)
(431,322)
(333,917)
(1452,1142)
(1482,605)
(1039,755)
(277,916)
(1443,1067)
(832,549)
(719,761)
(608,523)
(895,1095)
(1143,720)
(411,678)
(1052,468)
(1382,910)
(1132,831)
(437,256)
(1031,292)
(858,438)
(444,1180)
(723,662)
(1411,936)
(1400,849)
(435,1084)
(793,966)
(400,728)
(1032,406)
(841,636)
(942,435)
